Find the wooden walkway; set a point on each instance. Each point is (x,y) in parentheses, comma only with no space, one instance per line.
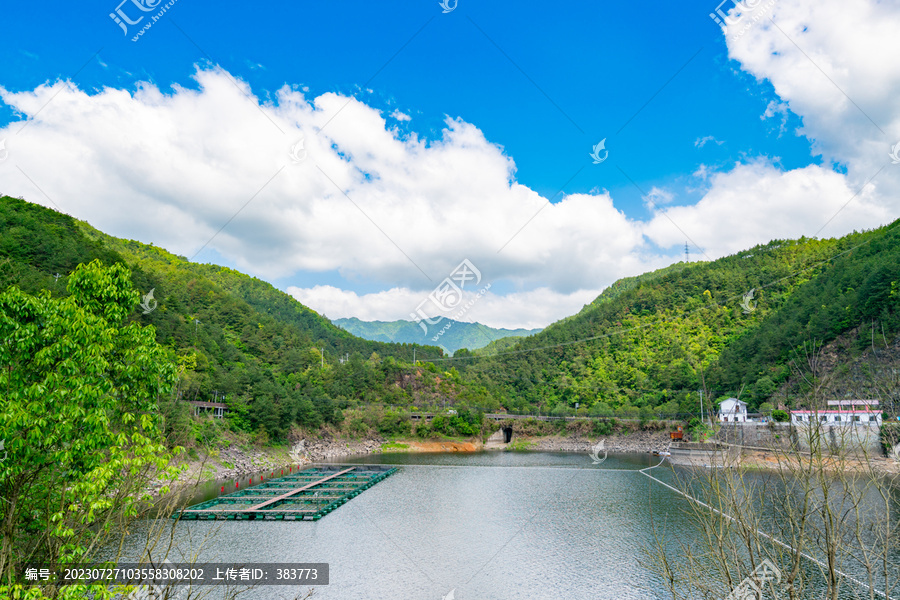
(297,491)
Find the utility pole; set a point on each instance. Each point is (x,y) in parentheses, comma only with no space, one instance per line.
(414,357)
(322,352)
(701,403)
(687,253)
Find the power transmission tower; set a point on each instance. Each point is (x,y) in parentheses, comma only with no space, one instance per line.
(687,253)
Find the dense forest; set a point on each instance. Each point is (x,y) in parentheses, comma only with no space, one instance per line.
(235,339)
(649,345)
(646,347)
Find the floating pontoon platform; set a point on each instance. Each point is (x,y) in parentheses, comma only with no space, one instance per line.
(306,495)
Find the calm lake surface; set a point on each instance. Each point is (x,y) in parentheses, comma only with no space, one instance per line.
(502,525)
(490,525)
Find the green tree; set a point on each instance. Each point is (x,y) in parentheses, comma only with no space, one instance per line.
(763,388)
(780,416)
(79,388)
(440,424)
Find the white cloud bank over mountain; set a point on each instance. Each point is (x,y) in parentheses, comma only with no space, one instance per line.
(218,167)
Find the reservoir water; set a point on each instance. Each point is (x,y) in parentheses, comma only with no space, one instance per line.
(489,525)
(492,525)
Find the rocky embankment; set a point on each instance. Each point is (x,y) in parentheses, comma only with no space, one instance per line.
(315,450)
(235,462)
(639,441)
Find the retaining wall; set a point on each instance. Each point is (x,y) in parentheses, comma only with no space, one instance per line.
(862,439)
(687,453)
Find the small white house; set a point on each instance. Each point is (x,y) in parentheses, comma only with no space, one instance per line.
(732,410)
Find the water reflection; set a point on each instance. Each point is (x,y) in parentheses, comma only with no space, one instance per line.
(493,525)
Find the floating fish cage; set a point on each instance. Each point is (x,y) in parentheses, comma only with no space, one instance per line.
(306,495)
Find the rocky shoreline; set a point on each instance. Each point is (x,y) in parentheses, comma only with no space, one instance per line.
(235,462)
(316,450)
(243,462)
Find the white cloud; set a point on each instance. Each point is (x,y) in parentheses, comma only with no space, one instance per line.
(335,303)
(757,202)
(702,141)
(367,201)
(780,109)
(828,61)
(370,201)
(657,196)
(400,116)
(703,172)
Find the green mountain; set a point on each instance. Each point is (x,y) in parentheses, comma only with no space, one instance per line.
(644,347)
(449,334)
(649,343)
(506,344)
(235,338)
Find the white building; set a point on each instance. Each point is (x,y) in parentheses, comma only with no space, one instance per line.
(732,410)
(841,412)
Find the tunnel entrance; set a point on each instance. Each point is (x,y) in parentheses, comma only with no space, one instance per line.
(507,434)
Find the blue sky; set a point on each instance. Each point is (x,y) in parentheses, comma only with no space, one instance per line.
(546,84)
(687,114)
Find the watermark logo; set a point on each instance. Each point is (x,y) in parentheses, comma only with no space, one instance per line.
(746,304)
(4,153)
(744,8)
(751,588)
(3,450)
(448,296)
(596,449)
(723,20)
(448,7)
(452,593)
(298,152)
(895,154)
(123,19)
(596,153)
(146,302)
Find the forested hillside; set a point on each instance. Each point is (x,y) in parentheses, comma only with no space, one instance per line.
(649,344)
(456,334)
(234,338)
(646,346)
